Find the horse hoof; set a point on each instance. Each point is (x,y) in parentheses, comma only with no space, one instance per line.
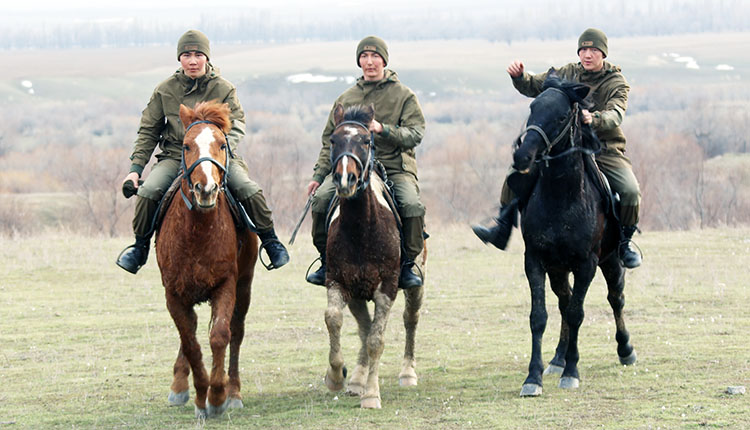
(200,413)
(235,403)
(630,359)
(333,386)
(531,390)
(178,399)
(553,369)
(568,382)
(370,403)
(354,389)
(407,381)
(215,411)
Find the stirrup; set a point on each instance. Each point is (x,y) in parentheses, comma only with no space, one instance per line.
(308,274)
(270,265)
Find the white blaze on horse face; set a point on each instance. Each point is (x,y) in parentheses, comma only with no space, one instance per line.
(345,172)
(204,140)
(351,132)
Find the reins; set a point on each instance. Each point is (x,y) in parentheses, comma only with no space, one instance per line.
(568,130)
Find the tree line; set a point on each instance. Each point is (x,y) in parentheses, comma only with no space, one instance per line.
(61,164)
(506,22)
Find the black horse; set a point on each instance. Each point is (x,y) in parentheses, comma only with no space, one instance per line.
(566,227)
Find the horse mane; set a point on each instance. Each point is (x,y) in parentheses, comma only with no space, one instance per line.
(217,113)
(575,91)
(358,113)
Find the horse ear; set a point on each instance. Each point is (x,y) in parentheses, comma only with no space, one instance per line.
(186,115)
(369,110)
(338,114)
(581,91)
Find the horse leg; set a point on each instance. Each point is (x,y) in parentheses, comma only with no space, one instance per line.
(358,379)
(237,328)
(614,273)
(583,275)
(186,321)
(561,287)
(413,296)
(179,392)
(532,386)
(334,319)
(222,307)
(375,343)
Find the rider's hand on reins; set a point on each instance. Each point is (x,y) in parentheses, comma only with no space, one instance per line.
(130,184)
(587,117)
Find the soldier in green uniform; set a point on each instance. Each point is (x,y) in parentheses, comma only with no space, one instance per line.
(398,128)
(197,80)
(609,95)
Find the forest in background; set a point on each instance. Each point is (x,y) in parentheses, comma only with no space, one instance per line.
(286,21)
(67,132)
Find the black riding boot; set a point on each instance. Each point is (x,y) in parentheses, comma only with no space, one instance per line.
(499,234)
(274,248)
(408,279)
(629,258)
(318,277)
(134,256)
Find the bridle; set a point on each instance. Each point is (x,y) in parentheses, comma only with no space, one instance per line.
(187,171)
(569,130)
(365,167)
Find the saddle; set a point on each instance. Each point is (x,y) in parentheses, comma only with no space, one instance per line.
(611,200)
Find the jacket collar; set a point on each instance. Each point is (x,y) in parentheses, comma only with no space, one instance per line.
(389,76)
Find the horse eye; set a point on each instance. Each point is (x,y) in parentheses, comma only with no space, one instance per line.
(185,148)
(224,146)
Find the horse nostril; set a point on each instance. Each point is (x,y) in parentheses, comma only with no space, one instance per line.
(352,179)
(198,187)
(337,177)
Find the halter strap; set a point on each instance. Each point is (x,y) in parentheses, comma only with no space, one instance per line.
(366,167)
(187,171)
(568,129)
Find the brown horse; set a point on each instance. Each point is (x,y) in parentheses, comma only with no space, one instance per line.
(364,257)
(203,257)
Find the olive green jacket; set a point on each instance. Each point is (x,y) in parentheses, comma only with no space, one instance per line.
(397,108)
(609,96)
(160,121)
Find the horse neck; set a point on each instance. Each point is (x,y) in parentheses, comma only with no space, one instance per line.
(565,175)
(359,211)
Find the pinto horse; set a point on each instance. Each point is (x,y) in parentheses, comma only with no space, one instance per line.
(203,257)
(566,228)
(364,257)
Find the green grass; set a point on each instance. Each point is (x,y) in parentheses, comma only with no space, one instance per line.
(84,344)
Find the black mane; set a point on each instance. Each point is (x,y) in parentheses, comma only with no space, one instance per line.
(358,113)
(576,92)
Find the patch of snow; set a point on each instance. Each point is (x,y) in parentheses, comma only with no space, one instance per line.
(309,78)
(724,67)
(26,84)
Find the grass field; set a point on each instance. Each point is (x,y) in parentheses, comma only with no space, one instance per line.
(85,345)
